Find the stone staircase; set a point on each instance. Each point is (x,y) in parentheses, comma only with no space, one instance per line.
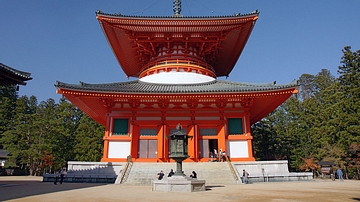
(215,173)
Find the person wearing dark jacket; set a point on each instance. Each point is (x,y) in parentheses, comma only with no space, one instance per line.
(171,173)
(193,174)
(160,175)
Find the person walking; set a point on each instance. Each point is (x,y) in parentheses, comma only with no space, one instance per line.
(245,176)
(340,174)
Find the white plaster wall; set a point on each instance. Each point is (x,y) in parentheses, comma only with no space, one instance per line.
(238,149)
(119,149)
(177,78)
(81,167)
(269,167)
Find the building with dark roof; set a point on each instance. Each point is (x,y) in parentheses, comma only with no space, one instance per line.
(10,76)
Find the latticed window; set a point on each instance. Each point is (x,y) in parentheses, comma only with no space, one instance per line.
(208,132)
(120,127)
(235,126)
(148,132)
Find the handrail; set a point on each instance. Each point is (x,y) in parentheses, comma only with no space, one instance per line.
(231,168)
(128,162)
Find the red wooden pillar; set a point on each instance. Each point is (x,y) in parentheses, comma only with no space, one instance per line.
(192,148)
(106,138)
(165,153)
(250,150)
(134,141)
(161,144)
(222,138)
(248,134)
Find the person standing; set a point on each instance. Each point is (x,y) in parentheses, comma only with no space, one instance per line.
(245,176)
(215,154)
(340,174)
(220,155)
(62,175)
(57,175)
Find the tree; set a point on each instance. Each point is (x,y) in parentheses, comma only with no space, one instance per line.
(89,140)
(349,113)
(63,140)
(309,164)
(8,98)
(21,141)
(354,160)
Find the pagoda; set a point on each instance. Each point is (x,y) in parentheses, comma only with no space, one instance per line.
(177,61)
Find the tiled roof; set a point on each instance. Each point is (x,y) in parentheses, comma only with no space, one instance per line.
(11,76)
(98,12)
(229,35)
(25,75)
(143,87)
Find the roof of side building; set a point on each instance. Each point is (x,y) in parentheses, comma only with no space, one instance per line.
(11,76)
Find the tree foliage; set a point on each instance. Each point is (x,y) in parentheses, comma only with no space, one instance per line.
(43,137)
(320,123)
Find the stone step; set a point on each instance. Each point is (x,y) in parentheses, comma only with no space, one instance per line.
(212,172)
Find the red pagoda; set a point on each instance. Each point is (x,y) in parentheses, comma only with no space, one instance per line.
(177,61)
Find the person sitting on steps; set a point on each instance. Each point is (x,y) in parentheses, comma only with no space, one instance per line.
(193,174)
(160,175)
(171,173)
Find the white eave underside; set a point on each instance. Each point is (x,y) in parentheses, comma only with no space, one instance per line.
(177,78)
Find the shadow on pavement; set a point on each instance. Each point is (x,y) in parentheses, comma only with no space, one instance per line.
(208,188)
(18,189)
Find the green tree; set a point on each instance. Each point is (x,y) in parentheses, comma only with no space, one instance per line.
(349,108)
(46,124)
(21,140)
(63,140)
(89,140)
(8,98)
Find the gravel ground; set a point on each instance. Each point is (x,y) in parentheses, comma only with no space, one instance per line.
(28,188)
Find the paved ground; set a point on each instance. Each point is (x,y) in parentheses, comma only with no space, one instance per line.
(33,189)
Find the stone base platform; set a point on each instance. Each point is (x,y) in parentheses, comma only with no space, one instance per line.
(178,184)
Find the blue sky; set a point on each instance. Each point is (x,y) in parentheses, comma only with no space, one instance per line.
(62,40)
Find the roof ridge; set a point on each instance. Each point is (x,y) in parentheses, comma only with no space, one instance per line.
(259,84)
(13,70)
(255,12)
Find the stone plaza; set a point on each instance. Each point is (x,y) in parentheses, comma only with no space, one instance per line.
(27,188)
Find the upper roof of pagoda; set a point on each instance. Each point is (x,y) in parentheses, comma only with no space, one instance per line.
(219,40)
(11,76)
